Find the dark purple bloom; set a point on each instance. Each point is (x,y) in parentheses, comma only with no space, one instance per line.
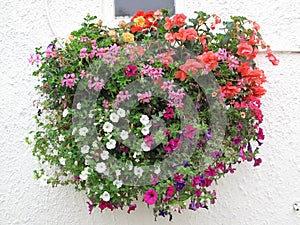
(180,185)
(162,213)
(130,70)
(208,136)
(199,144)
(185,164)
(192,206)
(249,148)
(216,154)
(197,107)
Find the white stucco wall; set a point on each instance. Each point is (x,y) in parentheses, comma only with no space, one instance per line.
(254,196)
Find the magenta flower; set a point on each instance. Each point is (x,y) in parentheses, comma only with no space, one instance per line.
(130,70)
(210,172)
(237,140)
(170,190)
(151,197)
(69,80)
(90,206)
(149,140)
(189,131)
(261,135)
(132,207)
(257,162)
(169,114)
(172,145)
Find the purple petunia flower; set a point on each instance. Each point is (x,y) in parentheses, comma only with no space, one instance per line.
(193,206)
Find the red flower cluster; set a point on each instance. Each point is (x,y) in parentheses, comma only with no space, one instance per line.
(143,20)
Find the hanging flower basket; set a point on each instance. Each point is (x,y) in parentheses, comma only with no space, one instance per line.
(157,109)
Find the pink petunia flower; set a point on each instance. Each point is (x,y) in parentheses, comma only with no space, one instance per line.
(189,131)
(151,197)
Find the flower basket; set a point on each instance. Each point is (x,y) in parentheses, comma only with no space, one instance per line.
(156,108)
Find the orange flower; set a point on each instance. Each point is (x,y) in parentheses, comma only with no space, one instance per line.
(181,75)
(229,91)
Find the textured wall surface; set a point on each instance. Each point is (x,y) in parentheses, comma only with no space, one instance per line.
(254,196)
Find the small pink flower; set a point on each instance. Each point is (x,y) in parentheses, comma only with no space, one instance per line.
(189,131)
(83,53)
(144,98)
(151,197)
(69,80)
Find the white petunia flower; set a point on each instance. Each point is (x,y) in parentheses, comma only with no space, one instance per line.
(118,173)
(145,147)
(65,113)
(108,127)
(114,117)
(105,196)
(118,183)
(95,145)
(85,149)
(138,171)
(130,166)
(55,152)
(145,131)
(74,130)
(84,174)
(144,119)
(100,167)
(78,106)
(124,135)
(62,161)
(121,112)
(111,144)
(104,155)
(83,131)
(157,170)
(61,137)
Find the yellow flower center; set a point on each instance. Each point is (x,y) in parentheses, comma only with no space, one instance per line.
(140,21)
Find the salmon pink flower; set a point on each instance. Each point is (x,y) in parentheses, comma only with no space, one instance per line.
(169,24)
(170,37)
(209,59)
(191,66)
(181,75)
(179,19)
(272,58)
(245,49)
(191,34)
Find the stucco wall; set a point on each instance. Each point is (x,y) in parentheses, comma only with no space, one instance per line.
(254,196)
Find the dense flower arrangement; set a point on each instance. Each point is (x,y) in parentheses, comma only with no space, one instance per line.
(150,139)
